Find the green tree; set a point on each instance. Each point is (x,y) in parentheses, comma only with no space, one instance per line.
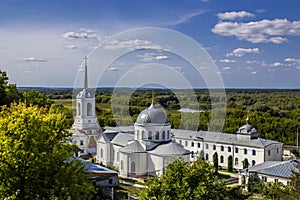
(186,180)
(8,92)
(59,108)
(230,164)
(34,97)
(245,163)
(295,183)
(216,162)
(33,151)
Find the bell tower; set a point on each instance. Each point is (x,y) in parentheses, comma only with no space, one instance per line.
(85,118)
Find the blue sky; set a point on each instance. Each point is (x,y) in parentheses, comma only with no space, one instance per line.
(253,43)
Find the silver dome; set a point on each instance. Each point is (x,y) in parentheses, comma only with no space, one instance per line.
(152,115)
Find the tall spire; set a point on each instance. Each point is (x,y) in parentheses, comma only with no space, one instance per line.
(85,74)
(153,96)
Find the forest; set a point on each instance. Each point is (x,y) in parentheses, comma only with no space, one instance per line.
(274,112)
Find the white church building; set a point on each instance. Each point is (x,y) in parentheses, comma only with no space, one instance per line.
(147,147)
(144,150)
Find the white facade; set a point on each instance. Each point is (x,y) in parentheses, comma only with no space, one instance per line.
(146,150)
(245,144)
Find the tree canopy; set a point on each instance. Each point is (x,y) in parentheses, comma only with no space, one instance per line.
(33,151)
(8,92)
(186,180)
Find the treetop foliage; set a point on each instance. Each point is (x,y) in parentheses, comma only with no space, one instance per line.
(186,180)
(33,148)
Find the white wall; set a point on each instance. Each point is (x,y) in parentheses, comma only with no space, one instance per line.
(273,153)
(258,158)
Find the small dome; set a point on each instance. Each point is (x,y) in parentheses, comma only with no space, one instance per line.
(85,93)
(152,115)
(247,128)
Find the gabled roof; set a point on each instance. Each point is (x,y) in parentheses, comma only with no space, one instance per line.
(117,129)
(276,168)
(225,138)
(122,139)
(169,149)
(134,147)
(104,138)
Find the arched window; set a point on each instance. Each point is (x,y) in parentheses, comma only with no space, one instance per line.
(222,148)
(236,161)
(132,167)
(138,134)
(229,149)
(180,142)
(214,147)
(143,135)
(222,159)
(168,134)
(101,153)
(245,151)
(89,109)
(157,135)
(199,145)
(236,150)
(253,152)
(253,163)
(192,144)
(163,135)
(192,154)
(78,109)
(122,165)
(206,156)
(149,135)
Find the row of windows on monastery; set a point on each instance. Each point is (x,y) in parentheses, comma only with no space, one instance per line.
(158,135)
(222,148)
(236,160)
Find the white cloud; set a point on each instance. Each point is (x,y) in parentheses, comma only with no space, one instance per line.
(254,72)
(234,15)
(227,61)
(251,61)
(79,35)
(188,16)
(152,56)
(292,60)
(33,59)
(260,10)
(112,69)
(287,64)
(131,45)
(71,47)
(239,52)
(276,64)
(227,68)
(88,30)
(264,31)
